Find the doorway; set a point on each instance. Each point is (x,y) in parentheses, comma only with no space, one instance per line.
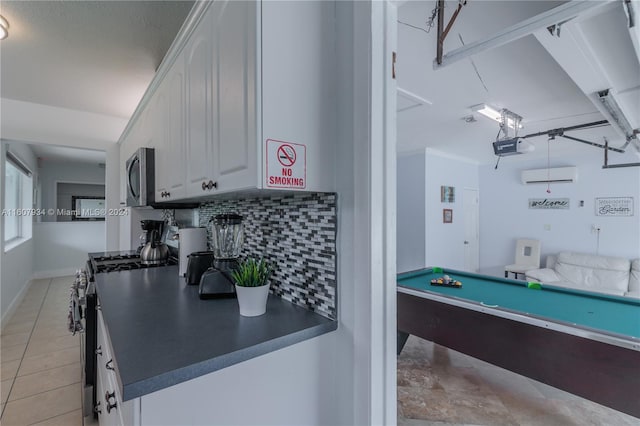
(470,206)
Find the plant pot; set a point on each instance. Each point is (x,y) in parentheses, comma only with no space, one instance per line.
(252,300)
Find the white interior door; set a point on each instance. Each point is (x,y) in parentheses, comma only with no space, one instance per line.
(470,202)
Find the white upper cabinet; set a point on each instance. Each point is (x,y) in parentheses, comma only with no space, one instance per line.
(248,102)
(169,135)
(235,93)
(198,73)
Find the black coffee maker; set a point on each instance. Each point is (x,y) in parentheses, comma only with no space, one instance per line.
(148,226)
(227,234)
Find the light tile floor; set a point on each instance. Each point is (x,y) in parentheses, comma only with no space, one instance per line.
(439,386)
(40,359)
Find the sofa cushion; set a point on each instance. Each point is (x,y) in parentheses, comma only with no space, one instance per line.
(635,294)
(545,275)
(634,279)
(594,273)
(602,290)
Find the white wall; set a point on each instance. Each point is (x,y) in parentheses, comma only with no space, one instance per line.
(411,220)
(112,196)
(62,247)
(445,241)
(505,216)
(52,172)
(17,264)
(423,239)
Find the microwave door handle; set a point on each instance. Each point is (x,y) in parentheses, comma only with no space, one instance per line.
(131,190)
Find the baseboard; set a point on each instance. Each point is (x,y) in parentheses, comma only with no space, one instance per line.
(14,304)
(54,273)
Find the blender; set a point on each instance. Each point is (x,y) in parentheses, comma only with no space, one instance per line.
(227,234)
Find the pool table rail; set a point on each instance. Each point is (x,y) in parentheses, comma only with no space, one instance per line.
(604,336)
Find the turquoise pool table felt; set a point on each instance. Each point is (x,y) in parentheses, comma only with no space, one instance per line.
(613,314)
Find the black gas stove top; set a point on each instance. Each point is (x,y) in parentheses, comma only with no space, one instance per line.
(134,263)
(114,261)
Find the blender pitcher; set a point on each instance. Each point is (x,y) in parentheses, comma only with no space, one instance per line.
(227,234)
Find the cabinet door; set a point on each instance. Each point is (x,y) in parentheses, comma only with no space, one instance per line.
(235,61)
(168,139)
(198,110)
(174,165)
(159,110)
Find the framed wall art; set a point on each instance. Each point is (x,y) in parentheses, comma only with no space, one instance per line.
(447,216)
(614,206)
(447,194)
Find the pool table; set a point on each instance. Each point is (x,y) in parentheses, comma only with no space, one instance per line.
(585,343)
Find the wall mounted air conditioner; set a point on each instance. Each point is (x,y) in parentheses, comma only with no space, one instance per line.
(553,175)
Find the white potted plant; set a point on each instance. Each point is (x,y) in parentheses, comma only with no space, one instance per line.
(251,280)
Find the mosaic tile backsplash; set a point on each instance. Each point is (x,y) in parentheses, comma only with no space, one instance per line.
(298,234)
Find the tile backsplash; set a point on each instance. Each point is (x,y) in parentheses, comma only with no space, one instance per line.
(298,234)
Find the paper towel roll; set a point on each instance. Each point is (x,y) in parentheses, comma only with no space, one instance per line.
(191,240)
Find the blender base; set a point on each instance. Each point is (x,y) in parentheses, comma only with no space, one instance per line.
(216,284)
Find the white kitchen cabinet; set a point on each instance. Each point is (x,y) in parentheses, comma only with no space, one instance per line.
(220,101)
(110,408)
(235,59)
(256,75)
(168,135)
(199,146)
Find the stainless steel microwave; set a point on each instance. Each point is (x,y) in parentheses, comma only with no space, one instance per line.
(140,170)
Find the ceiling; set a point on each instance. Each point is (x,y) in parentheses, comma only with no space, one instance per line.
(522,76)
(61,153)
(78,58)
(73,72)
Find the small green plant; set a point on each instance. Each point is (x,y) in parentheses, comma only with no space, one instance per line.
(252,273)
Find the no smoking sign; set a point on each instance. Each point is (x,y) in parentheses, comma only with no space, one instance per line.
(286,165)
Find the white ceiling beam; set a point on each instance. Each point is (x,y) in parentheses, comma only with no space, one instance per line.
(414,97)
(632,11)
(556,15)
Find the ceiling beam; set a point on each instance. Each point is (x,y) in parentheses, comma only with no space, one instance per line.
(558,14)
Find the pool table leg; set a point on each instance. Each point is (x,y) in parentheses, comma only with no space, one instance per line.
(402,339)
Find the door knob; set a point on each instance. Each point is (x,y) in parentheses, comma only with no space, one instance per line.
(466,242)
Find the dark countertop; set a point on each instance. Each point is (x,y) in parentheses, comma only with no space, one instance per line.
(162,334)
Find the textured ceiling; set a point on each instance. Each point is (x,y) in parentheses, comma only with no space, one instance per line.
(91,56)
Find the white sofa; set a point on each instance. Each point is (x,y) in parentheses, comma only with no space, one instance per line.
(610,275)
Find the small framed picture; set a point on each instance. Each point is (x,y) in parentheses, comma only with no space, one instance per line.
(447,194)
(447,216)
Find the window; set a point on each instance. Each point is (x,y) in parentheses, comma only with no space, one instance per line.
(18,199)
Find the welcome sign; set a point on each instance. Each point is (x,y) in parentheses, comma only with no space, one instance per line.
(549,203)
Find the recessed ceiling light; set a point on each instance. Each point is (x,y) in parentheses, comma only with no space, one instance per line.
(4,28)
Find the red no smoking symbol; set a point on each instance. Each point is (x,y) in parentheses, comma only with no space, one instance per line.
(286,155)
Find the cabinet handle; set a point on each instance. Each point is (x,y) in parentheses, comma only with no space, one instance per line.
(99,350)
(97,409)
(168,194)
(109,365)
(107,397)
(204,185)
(212,185)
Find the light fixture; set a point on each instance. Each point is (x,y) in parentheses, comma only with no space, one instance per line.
(494,114)
(4,28)
(617,118)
